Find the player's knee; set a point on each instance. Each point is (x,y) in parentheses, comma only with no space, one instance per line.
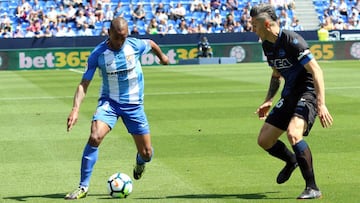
(293,136)
(95,139)
(262,142)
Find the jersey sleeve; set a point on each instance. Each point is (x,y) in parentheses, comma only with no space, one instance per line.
(145,46)
(300,49)
(92,64)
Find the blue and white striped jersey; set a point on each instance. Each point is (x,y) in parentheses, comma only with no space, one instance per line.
(121,72)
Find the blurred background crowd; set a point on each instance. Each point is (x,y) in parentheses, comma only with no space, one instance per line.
(65,18)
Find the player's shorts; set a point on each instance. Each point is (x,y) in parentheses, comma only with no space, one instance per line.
(286,108)
(132,115)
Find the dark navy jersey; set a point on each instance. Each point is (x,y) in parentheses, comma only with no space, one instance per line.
(288,55)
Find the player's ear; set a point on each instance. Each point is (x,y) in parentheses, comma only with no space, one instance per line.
(267,23)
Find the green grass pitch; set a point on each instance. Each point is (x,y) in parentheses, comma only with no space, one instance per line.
(204,133)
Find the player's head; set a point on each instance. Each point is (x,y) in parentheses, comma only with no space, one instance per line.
(263,17)
(118,32)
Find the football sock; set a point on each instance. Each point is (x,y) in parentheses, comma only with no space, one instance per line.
(140,160)
(280,151)
(89,158)
(304,159)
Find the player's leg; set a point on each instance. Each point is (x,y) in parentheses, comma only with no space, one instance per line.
(275,124)
(90,155)
(136,122)
(268,140)
(299,126)
(103,121)
(144,154)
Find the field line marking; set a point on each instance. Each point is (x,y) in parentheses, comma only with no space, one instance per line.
(161,93)
(76,70)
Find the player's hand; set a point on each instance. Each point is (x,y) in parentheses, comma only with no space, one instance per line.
(72,118)
(326,119)
(164,60)
(263,110)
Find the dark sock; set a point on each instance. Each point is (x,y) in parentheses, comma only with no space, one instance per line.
(304,159)
(280,151)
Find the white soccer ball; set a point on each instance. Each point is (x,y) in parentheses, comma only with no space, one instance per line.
(119,185)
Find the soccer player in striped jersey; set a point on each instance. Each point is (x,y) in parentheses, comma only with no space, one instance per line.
(302,97)
(121,96)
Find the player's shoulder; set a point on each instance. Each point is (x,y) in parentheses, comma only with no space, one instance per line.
(100,48)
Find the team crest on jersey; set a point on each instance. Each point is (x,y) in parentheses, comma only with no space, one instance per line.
(130,60)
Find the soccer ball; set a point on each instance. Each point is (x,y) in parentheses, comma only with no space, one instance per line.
(119,185)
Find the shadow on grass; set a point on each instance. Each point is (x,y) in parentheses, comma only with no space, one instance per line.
(46,196)
(223,196)
(189,196)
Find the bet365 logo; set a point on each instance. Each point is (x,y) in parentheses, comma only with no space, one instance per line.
(71,59)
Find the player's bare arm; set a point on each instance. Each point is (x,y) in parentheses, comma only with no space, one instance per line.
(78,98)
(323,113)
(164,60)
(274,86)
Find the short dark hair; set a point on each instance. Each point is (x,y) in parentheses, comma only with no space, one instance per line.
(264,8)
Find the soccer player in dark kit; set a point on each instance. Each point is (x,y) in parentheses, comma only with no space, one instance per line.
(302,98)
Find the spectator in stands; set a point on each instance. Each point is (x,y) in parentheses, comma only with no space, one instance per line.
(81,19)
(217,19)
(138,13)
(351,24)
(71,14)
(192,25)
(161,13)
(36,6)
(70,32)
(6,32)
(61,30)
(18,33)
(248,26)
(328,23)
(21,15)
(162,27)
(357,5)
(204,48)
(152,27)
(29,34)
(343,9)
(332,12)
(171,29)
(160,9)
(340,25)
(47,32)
(53,15)
(85,30)
(182,29)
(178,12)
(209,28)
(238,27)
(61,14)
(295,25)
(229,23)
(232,5)
(119,10)
(91,20)
(323,33)
(109,14)
(135,31)
(99,12)
(197,5)
(284,19)
(5,20)
(215,4)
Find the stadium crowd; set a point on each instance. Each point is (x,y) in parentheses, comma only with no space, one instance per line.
(65,18)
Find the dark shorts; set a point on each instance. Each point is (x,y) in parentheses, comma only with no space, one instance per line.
(303,107)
